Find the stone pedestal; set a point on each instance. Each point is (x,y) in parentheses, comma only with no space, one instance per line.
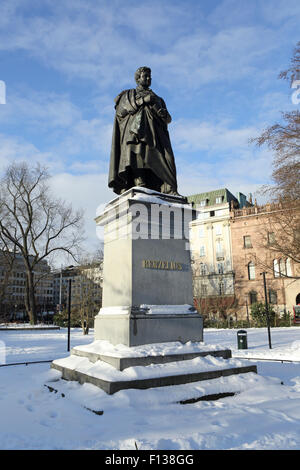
(148,298)
(147,277)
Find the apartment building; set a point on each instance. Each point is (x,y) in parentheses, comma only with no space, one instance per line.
(86,284)
(231,246)
(13,283)
(253,232)
(211,248)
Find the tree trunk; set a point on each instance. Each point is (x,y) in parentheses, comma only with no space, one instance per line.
(30,299)
(85,326)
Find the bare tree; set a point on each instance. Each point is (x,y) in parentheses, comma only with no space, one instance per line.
(85,299)
(284,140)
(36,224)
(293,72)
(281,233)
(87,290)
(222,305)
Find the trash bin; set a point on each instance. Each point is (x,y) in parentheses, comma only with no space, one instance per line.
(242,339)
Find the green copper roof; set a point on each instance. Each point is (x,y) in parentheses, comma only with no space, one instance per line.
(211,197)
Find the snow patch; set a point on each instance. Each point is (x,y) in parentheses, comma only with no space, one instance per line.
(103,347)
(262,415)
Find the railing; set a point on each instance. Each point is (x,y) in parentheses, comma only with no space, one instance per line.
(215,273)
(256,210)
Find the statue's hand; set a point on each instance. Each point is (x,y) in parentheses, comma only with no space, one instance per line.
(149,99)
(139,101)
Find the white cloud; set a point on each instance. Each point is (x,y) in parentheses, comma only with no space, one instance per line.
(54,118)
(211,156)
(108,42)
(16,149)
(195,135)
(189,51)
(245,173)
(85,192)
(47,109)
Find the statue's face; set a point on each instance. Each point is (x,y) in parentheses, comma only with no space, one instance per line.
(145,78)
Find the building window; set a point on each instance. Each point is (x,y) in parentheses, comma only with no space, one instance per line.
(218,229)
(282,267)
(272,296)
(219,248)
(202,250)
(288,267)
(203,202)
(203,289)
(219,199)
(253,297)
(251,271)
(201,232)
(247,241)
(220,268)
(221,288)
(276,268)
(212,213)
(203,269)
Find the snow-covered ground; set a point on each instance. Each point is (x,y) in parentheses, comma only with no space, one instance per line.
(264,415)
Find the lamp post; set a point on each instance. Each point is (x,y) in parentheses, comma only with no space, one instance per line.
(247,310)
(267,309)
(60,288)
(69,314)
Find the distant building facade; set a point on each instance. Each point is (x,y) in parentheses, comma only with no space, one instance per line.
(211,249)
(228,256)
(13,283)
(252,254)
(51,287)
(86,283)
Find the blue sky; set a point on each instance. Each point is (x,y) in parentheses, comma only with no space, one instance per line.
(214,62)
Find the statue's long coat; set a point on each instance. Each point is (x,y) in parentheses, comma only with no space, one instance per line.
(140,140)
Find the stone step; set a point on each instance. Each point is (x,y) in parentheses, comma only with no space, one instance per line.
(181,395)
(122,363)
(103,376)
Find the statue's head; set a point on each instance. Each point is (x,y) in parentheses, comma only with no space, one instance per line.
(143,76)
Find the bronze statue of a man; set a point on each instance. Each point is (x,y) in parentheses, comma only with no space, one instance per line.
(141,152)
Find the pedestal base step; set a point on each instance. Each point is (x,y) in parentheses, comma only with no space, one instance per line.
(110,380)
(122,363)
(99,402)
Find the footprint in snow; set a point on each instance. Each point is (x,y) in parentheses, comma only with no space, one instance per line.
(45,423)
(219,424)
